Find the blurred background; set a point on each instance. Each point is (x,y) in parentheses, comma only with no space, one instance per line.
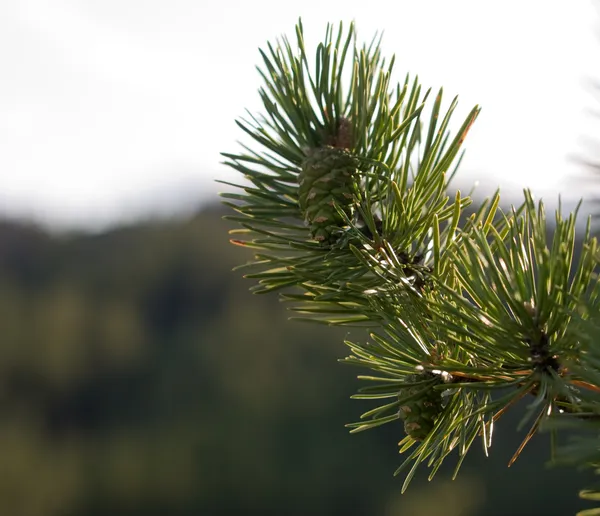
(138,376)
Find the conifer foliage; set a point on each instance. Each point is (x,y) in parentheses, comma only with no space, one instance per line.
(346,204)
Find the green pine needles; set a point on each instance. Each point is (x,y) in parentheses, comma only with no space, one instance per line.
(346,206)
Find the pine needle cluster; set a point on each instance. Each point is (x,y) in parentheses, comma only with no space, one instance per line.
(347,206)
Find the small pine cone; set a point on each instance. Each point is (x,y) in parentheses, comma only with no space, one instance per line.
(325,181)
(420,414)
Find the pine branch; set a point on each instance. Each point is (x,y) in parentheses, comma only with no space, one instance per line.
(347,207)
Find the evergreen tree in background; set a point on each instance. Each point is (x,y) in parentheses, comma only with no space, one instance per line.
(347,209)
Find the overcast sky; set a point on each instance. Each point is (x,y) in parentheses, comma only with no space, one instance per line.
(111,109)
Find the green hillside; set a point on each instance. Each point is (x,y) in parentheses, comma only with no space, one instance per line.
(139,377)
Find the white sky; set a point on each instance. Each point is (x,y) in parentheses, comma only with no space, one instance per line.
(111,109)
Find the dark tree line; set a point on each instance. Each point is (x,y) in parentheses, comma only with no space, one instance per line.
(138,376)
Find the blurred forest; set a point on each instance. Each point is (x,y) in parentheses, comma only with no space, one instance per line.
(139,377)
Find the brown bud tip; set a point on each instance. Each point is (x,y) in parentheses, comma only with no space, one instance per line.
(344,139)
